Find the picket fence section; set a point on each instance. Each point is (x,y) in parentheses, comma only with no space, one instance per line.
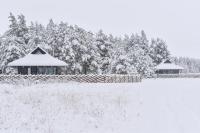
(182,75)
(76,78)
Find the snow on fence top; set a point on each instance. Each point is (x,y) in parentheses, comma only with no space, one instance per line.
(38,57)
(167,65)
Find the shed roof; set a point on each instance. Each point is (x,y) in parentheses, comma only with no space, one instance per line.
(38,57)
(168,65)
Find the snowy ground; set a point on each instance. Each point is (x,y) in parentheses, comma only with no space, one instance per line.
(153,106)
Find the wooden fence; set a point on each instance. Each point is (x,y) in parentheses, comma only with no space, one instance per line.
(76,78)
(182,75)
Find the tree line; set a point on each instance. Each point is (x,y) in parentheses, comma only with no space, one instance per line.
(84,51)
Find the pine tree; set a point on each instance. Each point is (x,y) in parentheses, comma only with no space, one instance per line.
(142,62)
(136,49)
(37,36)
(13,27)
(14,40)
(11,51)
(159,51)
(51,31)
(22,28)
(139,40)
(105,51)
(144,43)
(122,65)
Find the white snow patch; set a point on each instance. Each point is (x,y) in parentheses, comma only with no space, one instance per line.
(153,106)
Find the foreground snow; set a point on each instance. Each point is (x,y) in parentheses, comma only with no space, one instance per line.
(153,106)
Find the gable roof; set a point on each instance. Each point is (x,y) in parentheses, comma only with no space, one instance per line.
(38,57)
(168,65)
(38,50)
(167,61)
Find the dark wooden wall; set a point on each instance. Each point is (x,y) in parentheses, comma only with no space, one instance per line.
(168,71)
(34,70)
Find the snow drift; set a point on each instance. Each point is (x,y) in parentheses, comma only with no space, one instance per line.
(153,106)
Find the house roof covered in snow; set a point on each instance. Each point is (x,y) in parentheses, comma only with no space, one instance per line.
(168,65)
(38,57)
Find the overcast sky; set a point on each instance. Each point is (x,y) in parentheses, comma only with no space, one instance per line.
(176,21)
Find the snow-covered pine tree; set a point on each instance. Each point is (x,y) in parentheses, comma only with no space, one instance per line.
(81,56)
(37,36)
(11,51)
(14,41)
(52,37)
(86,52)
(22,34)
(13,27)
(92,62)
(144,43)
(138,56)
(105,48)
(159,50)
(22,28)
(121,64)
(79,51)
(140,40)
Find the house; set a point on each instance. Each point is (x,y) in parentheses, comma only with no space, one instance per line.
(37,62)
(167,67)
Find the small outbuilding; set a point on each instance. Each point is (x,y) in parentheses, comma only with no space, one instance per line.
(167,67)
(37,62)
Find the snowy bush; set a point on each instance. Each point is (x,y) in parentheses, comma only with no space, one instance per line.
(10,71)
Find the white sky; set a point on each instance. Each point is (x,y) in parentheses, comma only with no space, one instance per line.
(176,21)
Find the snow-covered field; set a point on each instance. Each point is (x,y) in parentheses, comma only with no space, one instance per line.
(153,106)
